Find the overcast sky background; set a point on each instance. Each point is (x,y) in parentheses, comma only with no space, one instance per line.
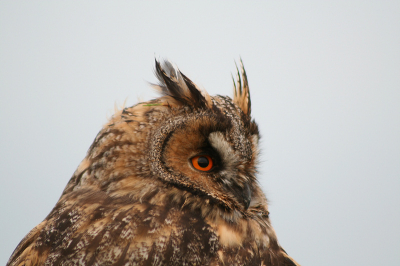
(325,88)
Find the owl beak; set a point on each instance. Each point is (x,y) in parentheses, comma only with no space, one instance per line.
(246,196)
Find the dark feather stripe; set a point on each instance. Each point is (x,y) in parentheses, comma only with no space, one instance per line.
(198,99)
(174,90)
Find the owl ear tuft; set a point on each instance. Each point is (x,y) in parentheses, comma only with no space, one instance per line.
(241,90)
(176,85)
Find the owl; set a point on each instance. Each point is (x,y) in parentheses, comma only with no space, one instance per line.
(171,181)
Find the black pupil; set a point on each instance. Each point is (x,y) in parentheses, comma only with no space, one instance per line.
(203,162)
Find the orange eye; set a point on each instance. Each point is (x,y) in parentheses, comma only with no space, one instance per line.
(202,162)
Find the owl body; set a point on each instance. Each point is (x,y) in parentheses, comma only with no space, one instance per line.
(171,181)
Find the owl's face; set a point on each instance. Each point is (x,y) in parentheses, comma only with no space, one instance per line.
(210,152)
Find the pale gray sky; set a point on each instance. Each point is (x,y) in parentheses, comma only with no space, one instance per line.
(325,87)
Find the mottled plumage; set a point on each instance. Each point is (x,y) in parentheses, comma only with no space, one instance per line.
(142,195)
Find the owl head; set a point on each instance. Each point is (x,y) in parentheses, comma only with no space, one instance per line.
(201,149)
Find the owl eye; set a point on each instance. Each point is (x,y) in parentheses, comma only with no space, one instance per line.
(202,162)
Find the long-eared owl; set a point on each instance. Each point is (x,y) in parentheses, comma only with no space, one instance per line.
(171,181)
